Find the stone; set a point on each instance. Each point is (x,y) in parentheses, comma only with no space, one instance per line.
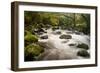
(83,46)
(57,32)
(44,37)
(83,53)
(72,44)
(64,36)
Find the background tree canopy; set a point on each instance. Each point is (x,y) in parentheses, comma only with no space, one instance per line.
(73,21)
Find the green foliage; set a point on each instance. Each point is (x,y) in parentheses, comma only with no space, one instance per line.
(32,51)
(84,46)
(77,21)
(29,38)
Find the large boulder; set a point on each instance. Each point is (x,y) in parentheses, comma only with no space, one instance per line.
(29,39)
(64,36)
(32,51)
(83,53)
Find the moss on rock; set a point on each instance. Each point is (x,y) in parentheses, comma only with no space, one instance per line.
(29,39)
(32,51)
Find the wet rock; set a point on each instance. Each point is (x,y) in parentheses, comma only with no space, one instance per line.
(83,53)
(39,31)
(44,37)
(65,36)
(72,44)
(83,46)
(78,33)
(57,32)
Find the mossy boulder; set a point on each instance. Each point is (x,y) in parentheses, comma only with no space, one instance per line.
(83,53)
(83,46)
(29,39)
(32,51)
(64,36)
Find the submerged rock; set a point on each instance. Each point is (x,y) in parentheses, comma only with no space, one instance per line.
(64,36)
(65,41)
(83,53)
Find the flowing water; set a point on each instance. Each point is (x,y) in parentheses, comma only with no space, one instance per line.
(59,48)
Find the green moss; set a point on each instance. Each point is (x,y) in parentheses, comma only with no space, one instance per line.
(84,46)
(32,51)
(29,39)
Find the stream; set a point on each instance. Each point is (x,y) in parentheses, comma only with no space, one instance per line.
(59,49)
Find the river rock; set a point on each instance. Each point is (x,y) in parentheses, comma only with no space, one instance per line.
(83,46)
(64,36)
(55,28)
(78,33)
(83,53)
(44,37)
(57,32)
(72,44)
(65,41)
